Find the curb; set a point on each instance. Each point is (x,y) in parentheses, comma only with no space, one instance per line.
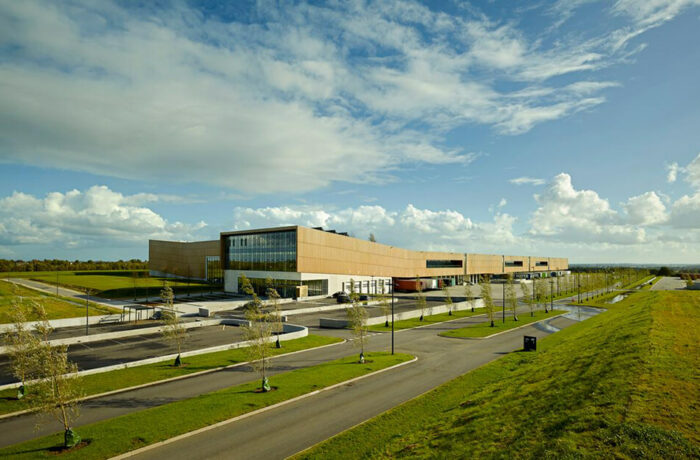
(509,330)
(256,412)
(171,379)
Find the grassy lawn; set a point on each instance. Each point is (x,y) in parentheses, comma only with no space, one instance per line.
(128,432)
(623,384)
(124,378)
(112,284)
(432,319)
(56,307)
(485,329)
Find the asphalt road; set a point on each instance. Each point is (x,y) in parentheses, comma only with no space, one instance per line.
(328,413)
(669,283)
(122,350)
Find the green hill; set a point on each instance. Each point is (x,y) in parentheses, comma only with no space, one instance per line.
(624,384)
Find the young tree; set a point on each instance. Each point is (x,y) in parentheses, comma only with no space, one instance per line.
(357,317)
(469,294)
(173,329)
(385,307)
(372,238)
(527,296)
(21,345)
(485,286)
(541,293)
(420,298)
(58,387)
(274,299)
(511,297)
(448,300)
(258,333)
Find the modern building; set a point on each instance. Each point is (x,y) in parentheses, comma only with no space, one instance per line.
(302,261)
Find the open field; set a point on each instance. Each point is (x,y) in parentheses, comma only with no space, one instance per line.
(112,284)
(484,329)
(55,307)
(427,319)
(118,435)
(623,384)
(139,375)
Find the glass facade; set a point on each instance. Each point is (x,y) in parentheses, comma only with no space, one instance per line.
(272,251)
(286,288)
(443,263)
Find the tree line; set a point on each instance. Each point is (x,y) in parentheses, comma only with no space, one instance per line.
(50,265)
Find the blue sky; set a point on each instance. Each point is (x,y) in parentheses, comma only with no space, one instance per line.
(565,128)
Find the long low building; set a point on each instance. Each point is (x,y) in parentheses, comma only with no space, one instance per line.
(302,261)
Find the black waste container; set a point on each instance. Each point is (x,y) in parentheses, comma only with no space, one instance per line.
(530,343)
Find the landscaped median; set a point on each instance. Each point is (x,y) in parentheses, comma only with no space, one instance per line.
(129,432)
(134,376)
(431,319)
(481,330)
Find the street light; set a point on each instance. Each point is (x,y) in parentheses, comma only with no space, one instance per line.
(87,317)
(504,302)
(392,316)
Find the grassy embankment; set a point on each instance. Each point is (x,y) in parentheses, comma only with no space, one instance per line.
(484,329)
(427,319)
(56,307)
(113,284)
(122,434)
(623,384)
(139,375)
(603,300)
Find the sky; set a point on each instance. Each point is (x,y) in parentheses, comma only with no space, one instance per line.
(565,128)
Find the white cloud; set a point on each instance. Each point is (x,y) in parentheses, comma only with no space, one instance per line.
(274,104)
(412,227)
(527,180)
(692,172)
(502,203)
(685,212)
(645,209)
(672,172)
(567,214)
(77,218)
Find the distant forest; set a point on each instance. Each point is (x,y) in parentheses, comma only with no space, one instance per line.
(50,265)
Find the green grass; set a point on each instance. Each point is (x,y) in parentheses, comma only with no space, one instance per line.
(128,432)
(623,384)
(432,319)
(485,329)
(112,284)
(56,307)
(132,376)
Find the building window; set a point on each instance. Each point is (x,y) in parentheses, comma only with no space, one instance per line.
(443,263)
(271,251)
(542,263)
(514,263)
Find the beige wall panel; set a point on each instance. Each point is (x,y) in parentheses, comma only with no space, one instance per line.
(180,258)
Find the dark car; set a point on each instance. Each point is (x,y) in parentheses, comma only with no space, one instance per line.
(343,298)
(364,297)
(336,294)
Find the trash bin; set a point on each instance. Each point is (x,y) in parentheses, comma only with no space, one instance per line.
(530,343)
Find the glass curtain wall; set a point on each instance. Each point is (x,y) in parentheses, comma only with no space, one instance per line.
(272,251)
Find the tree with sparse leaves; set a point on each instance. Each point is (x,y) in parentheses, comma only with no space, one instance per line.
(274,300)
(258,333)
(357,319)
(173,329)
(527,296)
(372,238)
(485,286)
(469,294)
(448,299)
(511,297)
(541,293)
(21,345)
(58,387)
(421,303)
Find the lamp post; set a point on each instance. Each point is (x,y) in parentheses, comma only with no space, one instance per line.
(551,294)
(504,302)
(392,316)
(87,317)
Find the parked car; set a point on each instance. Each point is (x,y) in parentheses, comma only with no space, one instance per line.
(364,297)
(336,294)
(343,298)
